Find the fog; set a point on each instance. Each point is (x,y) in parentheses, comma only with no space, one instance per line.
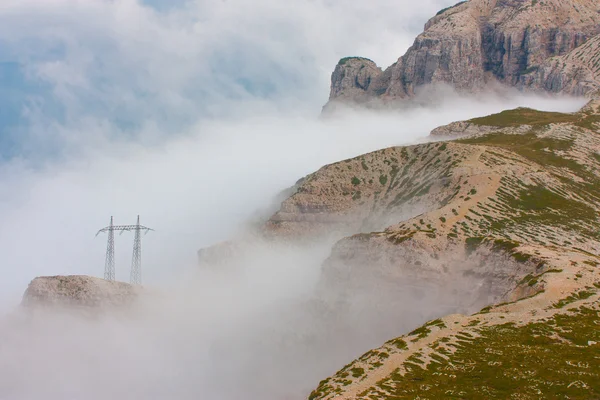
(193,115)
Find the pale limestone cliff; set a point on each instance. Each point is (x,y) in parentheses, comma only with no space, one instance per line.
(352,78)
(479,42)
(577,72)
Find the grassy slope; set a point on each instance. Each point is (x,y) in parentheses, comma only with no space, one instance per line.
(549,358)
(552,357)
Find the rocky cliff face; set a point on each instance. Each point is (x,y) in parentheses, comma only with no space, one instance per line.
(352,78)
(78,291)
(477,42)
(577,72)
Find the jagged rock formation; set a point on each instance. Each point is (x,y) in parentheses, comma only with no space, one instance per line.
(508,213)
(577,72)
(78,291)
(478,42)
(352,78)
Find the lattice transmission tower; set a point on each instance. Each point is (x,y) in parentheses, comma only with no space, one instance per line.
(136,262)
(109,264)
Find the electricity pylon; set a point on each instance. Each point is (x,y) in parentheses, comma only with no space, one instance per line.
(136,260)
(109,265)
(136,263)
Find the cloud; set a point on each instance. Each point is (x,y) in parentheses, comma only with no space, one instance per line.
(194,116)
(130,65)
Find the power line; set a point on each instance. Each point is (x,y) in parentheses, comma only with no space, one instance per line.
(136,262)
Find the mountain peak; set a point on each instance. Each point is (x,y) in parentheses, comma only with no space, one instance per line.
(475,43)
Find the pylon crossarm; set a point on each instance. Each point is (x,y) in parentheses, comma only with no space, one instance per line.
(136,263)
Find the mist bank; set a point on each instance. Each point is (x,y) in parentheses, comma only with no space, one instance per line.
(195,190)
(266,325)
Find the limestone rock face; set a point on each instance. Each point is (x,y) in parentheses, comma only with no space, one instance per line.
(78,291)
(478,42)
(576,73)
(352,78)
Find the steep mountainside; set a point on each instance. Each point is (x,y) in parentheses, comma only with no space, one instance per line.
(506,214)
(479,41)
(577,72)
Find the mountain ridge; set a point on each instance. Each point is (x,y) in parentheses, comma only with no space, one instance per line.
(514,216)
(476,43)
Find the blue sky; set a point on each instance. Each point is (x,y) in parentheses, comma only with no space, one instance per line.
(70,66)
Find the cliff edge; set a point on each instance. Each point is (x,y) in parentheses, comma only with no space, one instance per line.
(528,44)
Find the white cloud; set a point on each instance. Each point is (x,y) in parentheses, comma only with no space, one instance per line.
(193,117)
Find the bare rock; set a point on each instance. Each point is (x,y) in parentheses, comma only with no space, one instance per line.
(78,291)
(351,80)
(576,73)
(479,42)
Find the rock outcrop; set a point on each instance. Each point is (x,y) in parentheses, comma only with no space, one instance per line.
(78,291)
(577,72)
(479,42)
(351,80)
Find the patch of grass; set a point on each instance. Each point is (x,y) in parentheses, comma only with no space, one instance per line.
(521,257)
(524,116)
(344,60)
(449,8)
(420,333)
(473,243)
(436,322)
(398,343)
(548,359)
(582,295)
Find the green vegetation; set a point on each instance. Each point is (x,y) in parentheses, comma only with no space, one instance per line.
(420,333)
(383,179)
(582,295)
(535,118)
(547,359)
(473,243)
(537,149)
(525,116)
(344,60)
(449,8)
(398,343)
(355,181)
